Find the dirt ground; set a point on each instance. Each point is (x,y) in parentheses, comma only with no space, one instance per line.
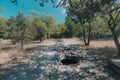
(40,61)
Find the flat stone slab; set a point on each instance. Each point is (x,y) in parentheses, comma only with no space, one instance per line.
(114,64)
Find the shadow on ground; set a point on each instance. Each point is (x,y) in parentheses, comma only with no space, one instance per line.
(36,68)
(43,64)
(105,52)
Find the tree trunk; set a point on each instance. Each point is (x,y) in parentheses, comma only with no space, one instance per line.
(89,34)
(23,36)
(22,44)
(87,37)
(116,41)
(84,37)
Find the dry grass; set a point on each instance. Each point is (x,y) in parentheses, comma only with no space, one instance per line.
(102,44)
(103,49)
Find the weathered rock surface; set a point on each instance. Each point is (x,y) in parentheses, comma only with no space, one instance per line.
(69,57)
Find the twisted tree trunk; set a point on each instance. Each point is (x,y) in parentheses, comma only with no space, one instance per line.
(115,39)
(112,25)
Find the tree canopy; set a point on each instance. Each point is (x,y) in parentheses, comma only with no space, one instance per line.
(84,12)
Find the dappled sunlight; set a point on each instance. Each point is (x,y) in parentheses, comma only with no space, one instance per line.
(43,63)
(104,52)
(60,40)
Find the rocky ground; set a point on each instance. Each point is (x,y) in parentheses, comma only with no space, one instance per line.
(42,62)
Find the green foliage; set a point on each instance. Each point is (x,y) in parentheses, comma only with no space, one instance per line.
(34,27)
(100,29)
(40,28)
(59,31)
(3,28)
(50,24)
(72,28)
(18,26)
(79,11)
(84,12)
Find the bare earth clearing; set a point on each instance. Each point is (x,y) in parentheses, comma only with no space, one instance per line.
(40,61)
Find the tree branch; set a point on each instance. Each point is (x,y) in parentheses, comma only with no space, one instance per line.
(114,9)
(117,16)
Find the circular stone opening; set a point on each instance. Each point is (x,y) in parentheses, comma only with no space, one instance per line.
(68,57)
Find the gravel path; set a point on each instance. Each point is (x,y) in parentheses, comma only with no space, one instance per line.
(43,64)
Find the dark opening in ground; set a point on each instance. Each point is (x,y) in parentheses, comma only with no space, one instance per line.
(68,61)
